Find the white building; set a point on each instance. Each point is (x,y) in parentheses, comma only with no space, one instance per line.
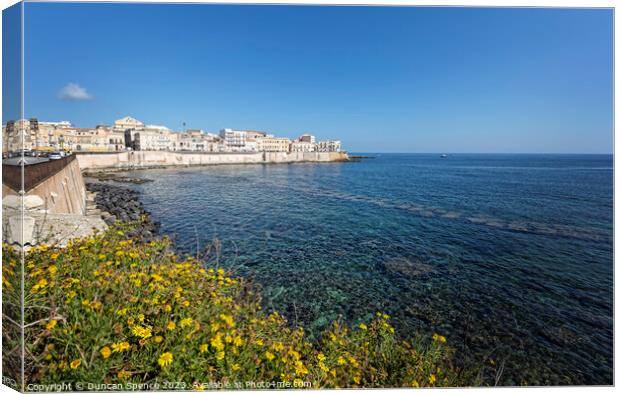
(307,138)
(303,146)
(61,124)
(152,140)
(329,146)
(235,140)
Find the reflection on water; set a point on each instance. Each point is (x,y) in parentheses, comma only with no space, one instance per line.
(509,256)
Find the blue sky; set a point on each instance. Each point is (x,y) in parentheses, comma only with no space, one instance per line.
(382,79)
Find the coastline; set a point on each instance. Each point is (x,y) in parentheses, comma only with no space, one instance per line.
(122,204)
(132,160)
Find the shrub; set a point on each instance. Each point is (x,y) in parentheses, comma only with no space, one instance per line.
(114,310)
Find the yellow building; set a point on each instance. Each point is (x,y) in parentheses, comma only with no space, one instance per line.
(273,144)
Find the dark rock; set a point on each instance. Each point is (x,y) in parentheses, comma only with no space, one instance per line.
(121,203)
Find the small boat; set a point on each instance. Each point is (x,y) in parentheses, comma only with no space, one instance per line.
(443,156)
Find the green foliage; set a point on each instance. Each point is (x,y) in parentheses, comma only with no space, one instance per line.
(110,309)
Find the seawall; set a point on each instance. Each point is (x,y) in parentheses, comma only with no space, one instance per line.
(57,183)
(54,207)
(146,159)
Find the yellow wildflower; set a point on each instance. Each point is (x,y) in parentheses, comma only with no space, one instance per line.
(363,326)
(165,359)
(432,378)
(300,369)
(51,324)
(220,355)
(269,355)
(105,352)
(439,338)
(171,326)
(142,332)
(217,343)
(227,319)
(203,348)
(186,322)
(120,346)
(341,360)
(75,363)
(158,339)
(123,374)
(236,367)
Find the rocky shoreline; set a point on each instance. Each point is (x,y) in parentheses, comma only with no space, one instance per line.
(119,203)
(103,176)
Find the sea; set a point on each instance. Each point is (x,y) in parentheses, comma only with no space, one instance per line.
(508,256)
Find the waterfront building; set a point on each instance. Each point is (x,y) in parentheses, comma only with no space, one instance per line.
(303,146)
(234,140)
(61,124)
(114,140)
(21,134)
(273,144)
(154,137)
(307,138)
(127,123)
(254,135)
(130,133)
(197,141)
(329,146)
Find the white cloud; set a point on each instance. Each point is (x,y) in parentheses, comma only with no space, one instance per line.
(73,91)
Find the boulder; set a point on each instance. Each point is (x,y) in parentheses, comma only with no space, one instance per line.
(21,231)
(33,202)
(12,202)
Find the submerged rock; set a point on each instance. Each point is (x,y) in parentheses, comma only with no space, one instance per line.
(116,177)
(410,267)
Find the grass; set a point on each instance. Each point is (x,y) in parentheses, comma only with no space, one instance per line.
(108,309)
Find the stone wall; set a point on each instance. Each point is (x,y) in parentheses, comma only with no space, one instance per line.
(52,212)
(64,192)
(146,159)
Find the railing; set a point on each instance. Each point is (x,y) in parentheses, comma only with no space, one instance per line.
(34,174)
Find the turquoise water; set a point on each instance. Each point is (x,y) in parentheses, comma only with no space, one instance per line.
(509,256)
